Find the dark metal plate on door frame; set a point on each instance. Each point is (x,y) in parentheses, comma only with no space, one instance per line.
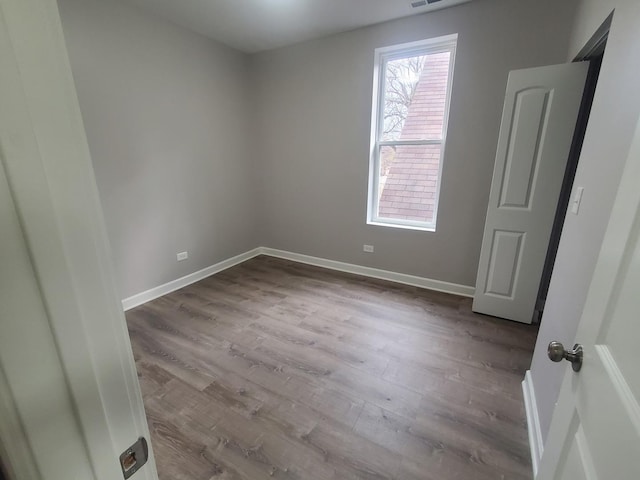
(134,457)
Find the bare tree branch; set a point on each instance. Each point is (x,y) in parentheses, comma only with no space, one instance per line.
(401,80)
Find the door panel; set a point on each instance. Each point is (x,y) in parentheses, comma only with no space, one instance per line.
(577,463)
(529,124)
(503,266)
(538,121)
(605,394)
(33,384)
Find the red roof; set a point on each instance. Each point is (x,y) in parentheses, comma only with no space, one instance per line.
(409,191)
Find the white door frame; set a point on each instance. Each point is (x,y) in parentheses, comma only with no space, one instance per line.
(45,155)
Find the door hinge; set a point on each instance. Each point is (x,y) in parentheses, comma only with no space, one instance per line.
(134,457)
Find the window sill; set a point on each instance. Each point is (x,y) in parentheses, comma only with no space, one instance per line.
(401,226)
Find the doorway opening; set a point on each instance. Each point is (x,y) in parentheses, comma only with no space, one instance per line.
(593,52)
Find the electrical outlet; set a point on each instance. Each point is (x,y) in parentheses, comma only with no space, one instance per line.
(183,256)
(368,248)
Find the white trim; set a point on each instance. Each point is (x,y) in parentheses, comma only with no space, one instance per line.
(406,224)
(434,44)
(172,286)
(430,284)
(391,143)
(533,422)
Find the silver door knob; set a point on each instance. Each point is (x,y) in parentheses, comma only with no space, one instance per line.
(557,353)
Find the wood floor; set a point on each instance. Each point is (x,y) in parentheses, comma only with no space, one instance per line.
(274,369)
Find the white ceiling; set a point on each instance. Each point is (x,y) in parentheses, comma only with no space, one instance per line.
(256,25)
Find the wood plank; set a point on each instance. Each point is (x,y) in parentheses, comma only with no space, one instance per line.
(273,369)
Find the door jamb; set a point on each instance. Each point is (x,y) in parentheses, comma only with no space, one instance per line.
(592,51)
(49,171)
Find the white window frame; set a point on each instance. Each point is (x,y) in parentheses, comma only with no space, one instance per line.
(442,44)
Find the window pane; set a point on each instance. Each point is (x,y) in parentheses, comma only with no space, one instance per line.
(415,91)
(408,182)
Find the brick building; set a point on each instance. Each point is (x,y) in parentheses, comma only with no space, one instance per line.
(408,187)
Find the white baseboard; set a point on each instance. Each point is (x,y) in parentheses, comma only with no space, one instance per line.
(437,285)
(533,422)
(152,294)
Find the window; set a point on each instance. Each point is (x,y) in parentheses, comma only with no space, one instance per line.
(412,89)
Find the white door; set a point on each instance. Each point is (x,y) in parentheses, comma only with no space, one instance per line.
(32,379)
(70,401)
(538,121)
(595,430)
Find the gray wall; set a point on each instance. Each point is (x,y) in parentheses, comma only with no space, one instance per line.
(166,115)
(312,125)
(611,126)
(198,147)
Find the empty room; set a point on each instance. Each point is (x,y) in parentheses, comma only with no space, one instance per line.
(319,239)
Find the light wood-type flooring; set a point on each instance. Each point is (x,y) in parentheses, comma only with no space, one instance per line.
(279,370)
